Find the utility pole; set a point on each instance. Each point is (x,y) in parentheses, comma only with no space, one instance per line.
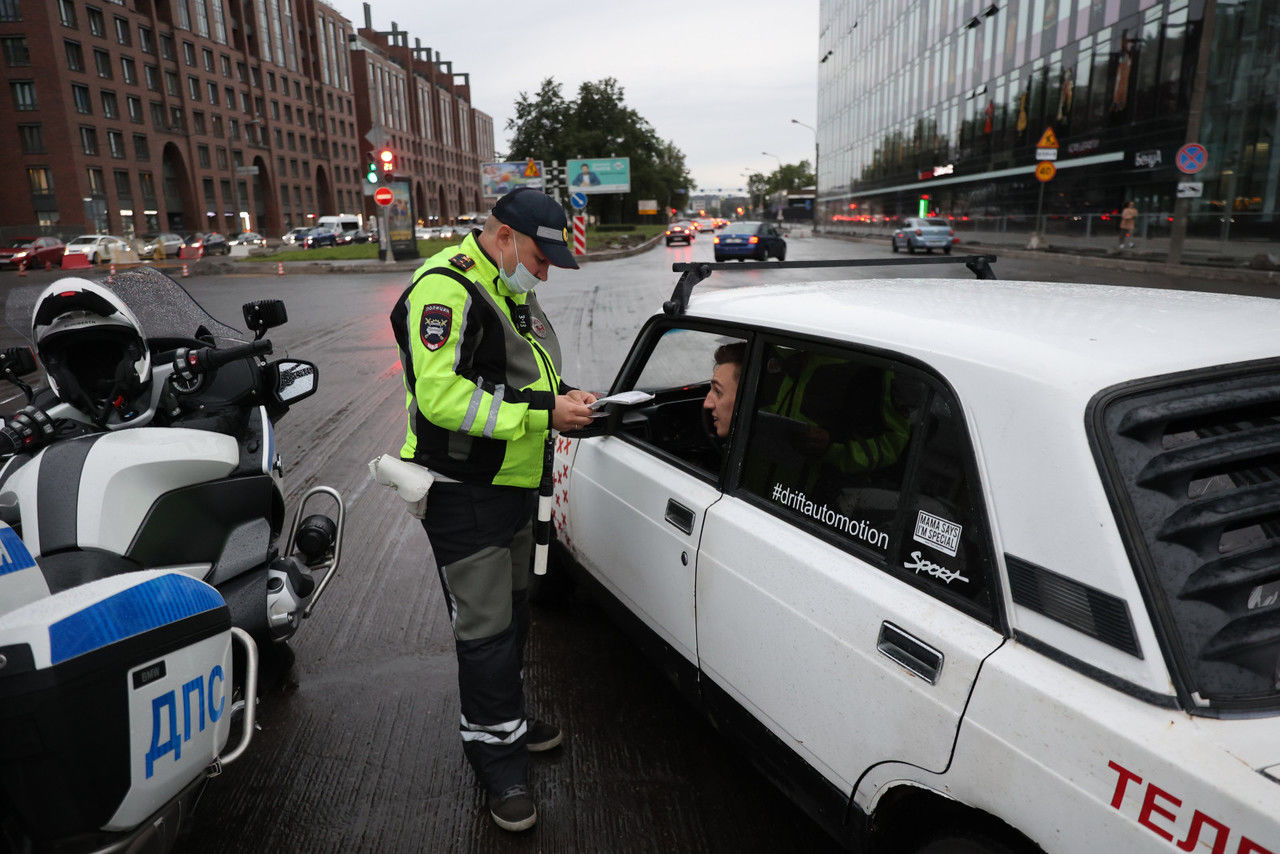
(1195,113)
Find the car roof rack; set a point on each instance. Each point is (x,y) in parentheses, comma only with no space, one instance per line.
(691,273)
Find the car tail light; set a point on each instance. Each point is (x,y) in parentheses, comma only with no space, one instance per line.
(715,239)
(753,239)
(919,233)
(953,232)
(668,231)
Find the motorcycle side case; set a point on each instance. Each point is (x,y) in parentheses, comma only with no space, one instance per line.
(115,696)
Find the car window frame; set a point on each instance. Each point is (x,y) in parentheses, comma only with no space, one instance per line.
(650,334)
(731,474)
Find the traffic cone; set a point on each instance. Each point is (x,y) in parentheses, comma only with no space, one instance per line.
(185,271)
(112,271)
(279,268)
(22,268)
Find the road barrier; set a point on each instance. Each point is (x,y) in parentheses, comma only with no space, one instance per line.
(185,272)
(75,261)
(279,268)
(22,268)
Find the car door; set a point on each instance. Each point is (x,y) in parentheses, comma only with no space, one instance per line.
(638,498)
(845,594)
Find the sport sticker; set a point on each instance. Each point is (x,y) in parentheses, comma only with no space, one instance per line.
(937,532)
(437,320)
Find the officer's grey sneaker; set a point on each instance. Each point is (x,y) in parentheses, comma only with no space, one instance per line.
(513,810)
(542,736)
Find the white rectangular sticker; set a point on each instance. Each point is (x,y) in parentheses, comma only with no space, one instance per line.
(937,532)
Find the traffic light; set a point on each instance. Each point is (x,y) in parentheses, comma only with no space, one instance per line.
(387,160)
(371,171)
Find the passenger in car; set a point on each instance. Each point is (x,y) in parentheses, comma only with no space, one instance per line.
(723,393)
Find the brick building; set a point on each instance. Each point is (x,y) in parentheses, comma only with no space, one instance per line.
(131,116)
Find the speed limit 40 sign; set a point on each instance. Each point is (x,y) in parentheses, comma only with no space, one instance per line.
(1045,171)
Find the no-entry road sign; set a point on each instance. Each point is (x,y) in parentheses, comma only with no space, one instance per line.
(383,195)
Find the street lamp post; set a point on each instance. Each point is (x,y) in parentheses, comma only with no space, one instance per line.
(815,166)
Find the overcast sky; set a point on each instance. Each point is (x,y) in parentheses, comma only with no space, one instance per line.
(723,80)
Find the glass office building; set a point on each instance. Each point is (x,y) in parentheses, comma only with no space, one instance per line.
(938,105)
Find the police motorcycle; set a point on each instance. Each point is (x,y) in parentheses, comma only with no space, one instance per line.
(144,557)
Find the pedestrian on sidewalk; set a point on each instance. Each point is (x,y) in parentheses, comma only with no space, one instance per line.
(1128,219)
(481,368)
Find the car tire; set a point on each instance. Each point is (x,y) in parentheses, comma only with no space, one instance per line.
(893,244)
(911,248)
(782,255)
(965,842)
(764,255)
(946,250)
(719,259)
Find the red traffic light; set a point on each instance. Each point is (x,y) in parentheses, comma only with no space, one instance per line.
(387,158)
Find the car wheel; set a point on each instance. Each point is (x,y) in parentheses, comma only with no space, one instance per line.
(719,259)
(911,247)
(894,244)
(928,250)
(946,250)
(782,254)
(964,842)
(763,255)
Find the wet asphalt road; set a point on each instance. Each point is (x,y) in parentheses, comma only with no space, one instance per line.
(358,749)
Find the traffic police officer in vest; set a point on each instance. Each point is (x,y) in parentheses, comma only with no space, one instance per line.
(481,369)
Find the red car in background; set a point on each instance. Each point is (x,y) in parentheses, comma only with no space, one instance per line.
(32,252)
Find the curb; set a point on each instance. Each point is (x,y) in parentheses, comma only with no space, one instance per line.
(621,253)
(1112,262)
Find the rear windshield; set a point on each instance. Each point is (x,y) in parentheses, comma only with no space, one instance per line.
(19,243)
(1194,469)
(939,222)
(80,240)
(742,227)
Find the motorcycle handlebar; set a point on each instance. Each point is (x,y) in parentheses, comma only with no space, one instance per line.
(207,359)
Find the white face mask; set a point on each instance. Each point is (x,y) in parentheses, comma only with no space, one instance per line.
(521,281)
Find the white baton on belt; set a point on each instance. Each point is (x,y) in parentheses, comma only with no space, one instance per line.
(542,529)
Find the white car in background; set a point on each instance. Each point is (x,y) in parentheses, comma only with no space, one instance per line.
(977,566)
(96,247)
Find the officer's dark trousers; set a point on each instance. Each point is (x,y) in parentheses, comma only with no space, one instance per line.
(482,537)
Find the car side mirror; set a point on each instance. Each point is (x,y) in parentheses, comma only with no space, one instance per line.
(264,314)
(18,360)
(605,425)
(290,380)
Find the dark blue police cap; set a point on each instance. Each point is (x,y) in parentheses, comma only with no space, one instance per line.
(532,212)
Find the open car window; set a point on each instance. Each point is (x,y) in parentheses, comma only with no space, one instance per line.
(679,371)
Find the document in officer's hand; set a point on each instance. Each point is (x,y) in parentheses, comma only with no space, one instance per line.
(626,398)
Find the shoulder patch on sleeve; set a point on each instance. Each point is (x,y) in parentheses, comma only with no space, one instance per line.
(435,325)
(462,262)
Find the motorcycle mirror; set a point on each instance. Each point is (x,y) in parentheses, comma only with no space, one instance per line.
(19,360)
(291,380)
(264,314)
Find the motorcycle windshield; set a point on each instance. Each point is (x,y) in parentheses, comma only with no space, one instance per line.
(166,312)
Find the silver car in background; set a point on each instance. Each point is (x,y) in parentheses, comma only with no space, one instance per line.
(927,233)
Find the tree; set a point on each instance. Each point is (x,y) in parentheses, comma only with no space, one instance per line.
(790,178)
(598,123)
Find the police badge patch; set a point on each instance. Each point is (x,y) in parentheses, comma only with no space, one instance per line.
(437,320)
(539,328)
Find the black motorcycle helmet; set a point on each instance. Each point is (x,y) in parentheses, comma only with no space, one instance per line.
(92,348)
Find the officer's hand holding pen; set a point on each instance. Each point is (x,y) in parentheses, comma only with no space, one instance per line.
(569,413)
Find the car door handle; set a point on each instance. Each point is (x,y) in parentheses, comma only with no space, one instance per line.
(679,516)
(910,652)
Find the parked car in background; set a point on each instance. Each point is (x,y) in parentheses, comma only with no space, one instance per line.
(317,237)
(209,242)
(680,232)
(32,251)
(358,235)
(706,223)
(453,232)
(294,235)
(927,233)
(147,244)
(247,238)
(426,232)
(755,240)
(96,247)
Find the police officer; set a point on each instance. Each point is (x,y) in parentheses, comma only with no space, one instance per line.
(481,368)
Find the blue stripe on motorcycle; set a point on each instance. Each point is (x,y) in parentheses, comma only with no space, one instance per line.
(13,552)
(147,606)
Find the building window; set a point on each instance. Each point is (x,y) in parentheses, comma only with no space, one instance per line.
(88,140)
(122,31)
(80,96)
(110,106)
(96,184)
(271,81)
(171,83)
(32,137)
(202,156)
(231,97)
(67,13)
(213,93)
(197,122)
(216,124)
(141,150)
(184,15)
(115,144)
(146,40)
(242,71)
(134,105)
(147,184)
(128,70)
(244,102)
(9,11)
(151,76)
(97,24)
(24,94)
(210,200)
(41,180)
(102,62)
(193,88)
(75,56)
(166,46)
(225,62)
(124,192)
(157,115)
(233,130)
(207,56)
(176,119)
(222,157)
(15,51)
(189,52)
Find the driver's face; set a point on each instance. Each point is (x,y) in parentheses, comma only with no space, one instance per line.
(720,397)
